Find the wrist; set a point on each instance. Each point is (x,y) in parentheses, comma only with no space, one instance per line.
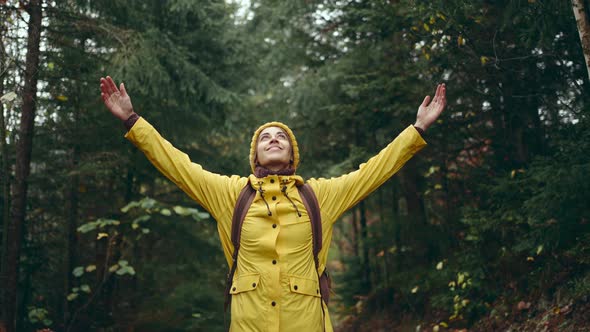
(131,120)
(421,127)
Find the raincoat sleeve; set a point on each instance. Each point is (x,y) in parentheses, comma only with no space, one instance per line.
(214,192)
(336,195)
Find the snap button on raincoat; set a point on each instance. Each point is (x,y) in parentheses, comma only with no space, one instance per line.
(275,287)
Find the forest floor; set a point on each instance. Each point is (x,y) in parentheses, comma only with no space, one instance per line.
(533,316)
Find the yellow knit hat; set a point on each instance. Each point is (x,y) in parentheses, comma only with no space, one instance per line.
(292,140)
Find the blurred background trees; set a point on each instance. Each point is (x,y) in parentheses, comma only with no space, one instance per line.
(487,227)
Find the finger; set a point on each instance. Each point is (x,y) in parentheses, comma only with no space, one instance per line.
(443,95)
(437,94)
(425,101)
(103,89)
(106,85)
(122,88)
(105,99)
(112,86)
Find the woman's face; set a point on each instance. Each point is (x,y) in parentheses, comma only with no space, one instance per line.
(273,150)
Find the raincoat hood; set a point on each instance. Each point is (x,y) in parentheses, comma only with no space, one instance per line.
(292,140)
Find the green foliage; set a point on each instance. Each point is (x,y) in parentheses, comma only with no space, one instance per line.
(500,193)
(100,223)
(39,316)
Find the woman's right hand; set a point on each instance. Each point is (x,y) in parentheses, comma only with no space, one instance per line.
(116,100)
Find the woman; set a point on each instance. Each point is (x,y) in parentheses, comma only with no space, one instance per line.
(275,286)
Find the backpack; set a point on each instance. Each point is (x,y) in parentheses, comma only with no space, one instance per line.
(312,206)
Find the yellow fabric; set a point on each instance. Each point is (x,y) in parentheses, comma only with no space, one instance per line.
(292,140)
(283,237)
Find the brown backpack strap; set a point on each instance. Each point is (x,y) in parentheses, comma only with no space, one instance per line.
(240,210)
(312,206)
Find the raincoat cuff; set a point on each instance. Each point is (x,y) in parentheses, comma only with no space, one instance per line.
(131,121)
(420,131)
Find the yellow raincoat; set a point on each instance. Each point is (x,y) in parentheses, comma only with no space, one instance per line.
(275,287)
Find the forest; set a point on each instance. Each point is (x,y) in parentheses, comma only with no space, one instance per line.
(486,229)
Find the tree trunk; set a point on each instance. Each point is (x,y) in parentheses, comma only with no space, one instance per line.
(396,231)
(23,159)
(355,232)
(581,15)
(72,218)
(416,213)
(366,266)
(4,173)
(4,168)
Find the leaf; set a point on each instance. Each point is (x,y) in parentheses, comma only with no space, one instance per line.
(78,271)
(136,221)
(62,98)
(539,249)
(108,222)
(85,288)
(123,263)
(196,315)
(460,278)
(90,268)
(460,41)
(113,268)
(148,203)
(126,270)
(101,235)
(165,212)
(72,296)
(127,207)
(180,210)
(439,266)
(415,290)
(87,227)
(145,230)
(50,65)
(8,97)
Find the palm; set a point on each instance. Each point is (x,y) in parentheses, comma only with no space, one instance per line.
(429,111)
(115,99)
(118,103)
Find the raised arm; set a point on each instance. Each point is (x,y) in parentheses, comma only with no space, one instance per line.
(214,192)
(336,195)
